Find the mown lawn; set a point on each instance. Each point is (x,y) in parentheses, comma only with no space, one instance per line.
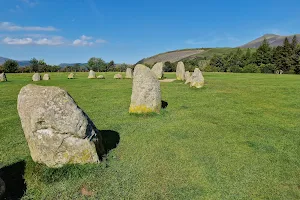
(236,138)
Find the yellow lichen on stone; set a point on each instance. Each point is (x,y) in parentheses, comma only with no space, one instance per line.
(141,109)
(198,84)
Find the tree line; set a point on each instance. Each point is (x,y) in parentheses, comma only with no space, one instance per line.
(265,59)
(96,64)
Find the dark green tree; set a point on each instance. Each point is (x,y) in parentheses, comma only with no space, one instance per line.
(10,66)
(34,64)
(294,43)
(264,53)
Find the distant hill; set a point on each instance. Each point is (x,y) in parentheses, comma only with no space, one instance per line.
(172,56)
(274,40)
(22,63)
(63,65)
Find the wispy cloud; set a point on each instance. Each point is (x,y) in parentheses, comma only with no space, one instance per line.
(16,9)
(31,3)
(83,41)
(87,41)
(7,26)
(100,41)
(52,41)
(17,41)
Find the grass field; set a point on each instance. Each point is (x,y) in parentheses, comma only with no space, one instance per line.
(236,138)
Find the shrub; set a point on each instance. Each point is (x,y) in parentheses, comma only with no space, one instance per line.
(268,68)
(209,68)
(235,69)
(251,68)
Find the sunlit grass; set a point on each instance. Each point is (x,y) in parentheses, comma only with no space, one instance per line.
(236,138)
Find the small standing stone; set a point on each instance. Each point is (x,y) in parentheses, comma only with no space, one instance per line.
(100,77)
(180,71)
(158,70)
(187,77)
(3,77)
(146,94)
(36,77)
(71,76)
(46,77)
(197,79)
(128,73)
(118,76)
(92,74)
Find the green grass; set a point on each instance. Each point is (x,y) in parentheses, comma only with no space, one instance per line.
(236,138)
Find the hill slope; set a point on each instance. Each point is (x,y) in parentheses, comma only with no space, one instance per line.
(172,56)
(274,40)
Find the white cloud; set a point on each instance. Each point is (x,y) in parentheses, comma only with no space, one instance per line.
(53,41)
(83,37)
(83,41)
(7,26)
(16,41)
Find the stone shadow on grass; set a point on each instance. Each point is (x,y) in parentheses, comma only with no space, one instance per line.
(110,141)
(164,104)
(13,184)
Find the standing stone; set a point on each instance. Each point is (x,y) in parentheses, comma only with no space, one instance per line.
(146,95)
(100,77)
(36,77)
(118,76)
(158,70)
(187,77)
(197,79)
(128,73)
(180,71)
(92,74)
(3,77)
(55,127)
(71,76)
(46,77)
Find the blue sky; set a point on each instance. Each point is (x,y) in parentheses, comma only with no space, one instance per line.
(127,31)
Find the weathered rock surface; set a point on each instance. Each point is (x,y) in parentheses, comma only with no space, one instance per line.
(36,77)
(187,77)
(100,77)
(55,127)
(128,73)
(46,77)
(118,76)
(180,71)
(92,74)
(158,70)
(71,76)
(197,79)
(3,77)
(146,94)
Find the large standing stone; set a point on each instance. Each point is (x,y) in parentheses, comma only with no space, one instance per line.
(3,77)
(197,79)
(71,76)
(36,77)
(46,77)
(55,127)
(92,74)
(180,71)
(118,76)
(158,70)
(128,73)
(187,77)
(146,95)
